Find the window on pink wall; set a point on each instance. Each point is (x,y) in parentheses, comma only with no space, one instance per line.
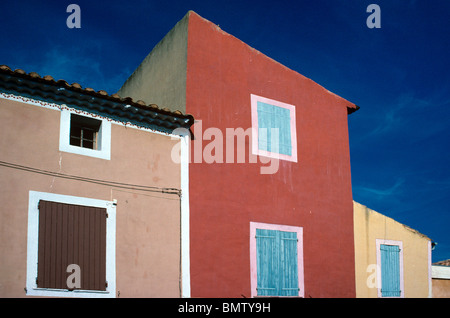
(273,129)
(276,260)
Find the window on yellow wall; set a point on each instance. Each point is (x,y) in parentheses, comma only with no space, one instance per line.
(390,270)
(390,264)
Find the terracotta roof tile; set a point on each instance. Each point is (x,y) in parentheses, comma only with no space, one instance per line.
(100,94)
(443,263)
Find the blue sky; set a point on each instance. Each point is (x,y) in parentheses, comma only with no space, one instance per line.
(398,74)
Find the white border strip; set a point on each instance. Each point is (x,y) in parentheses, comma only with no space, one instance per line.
(440,272)
(430,284)
(185,217)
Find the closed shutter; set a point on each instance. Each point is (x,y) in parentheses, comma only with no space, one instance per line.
(266,247)
(390,270)
(277,268)
(274,117)
(71,234)
(289,266)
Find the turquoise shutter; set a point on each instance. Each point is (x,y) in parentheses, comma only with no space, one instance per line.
(390,270)
(274,117)
(266,253)
(289,266)
(276,258)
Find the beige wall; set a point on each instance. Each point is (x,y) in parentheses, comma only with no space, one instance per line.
(441,288)
(167,64)
(370,226)
(441,281)
(147,223)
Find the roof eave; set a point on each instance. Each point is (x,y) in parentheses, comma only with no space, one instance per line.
(60,91)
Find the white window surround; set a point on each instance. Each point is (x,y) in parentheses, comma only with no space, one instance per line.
(380,242)
(103,138)
(32,246)
(253,261)
(254,99)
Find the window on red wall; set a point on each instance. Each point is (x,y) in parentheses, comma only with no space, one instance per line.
(274,130)
(276,260)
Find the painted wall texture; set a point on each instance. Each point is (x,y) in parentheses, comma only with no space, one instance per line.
(371,226)
(441,288)
(441,281)
(167,63)
(314,193)
(147,229)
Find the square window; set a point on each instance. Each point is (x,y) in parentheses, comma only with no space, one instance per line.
(85,135)
(84,131)
(274,130)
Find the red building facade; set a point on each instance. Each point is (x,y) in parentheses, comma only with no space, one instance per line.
(277,221)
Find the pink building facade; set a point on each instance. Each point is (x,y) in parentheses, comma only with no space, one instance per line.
(94,201)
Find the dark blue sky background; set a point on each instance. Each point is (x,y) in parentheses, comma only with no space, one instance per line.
(398,75)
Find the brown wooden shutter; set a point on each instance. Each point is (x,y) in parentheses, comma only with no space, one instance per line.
(71,234)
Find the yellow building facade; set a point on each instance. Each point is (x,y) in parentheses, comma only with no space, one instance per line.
(391,259)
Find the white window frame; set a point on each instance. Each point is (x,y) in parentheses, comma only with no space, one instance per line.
(254,99)
(253,256)
(380,242)
(103,136)
(32,246)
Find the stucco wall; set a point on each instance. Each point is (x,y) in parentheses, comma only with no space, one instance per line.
(370,226)
(221,73)
(166,63)
(313,193)
(441,281)
(441,288)
(147,223)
